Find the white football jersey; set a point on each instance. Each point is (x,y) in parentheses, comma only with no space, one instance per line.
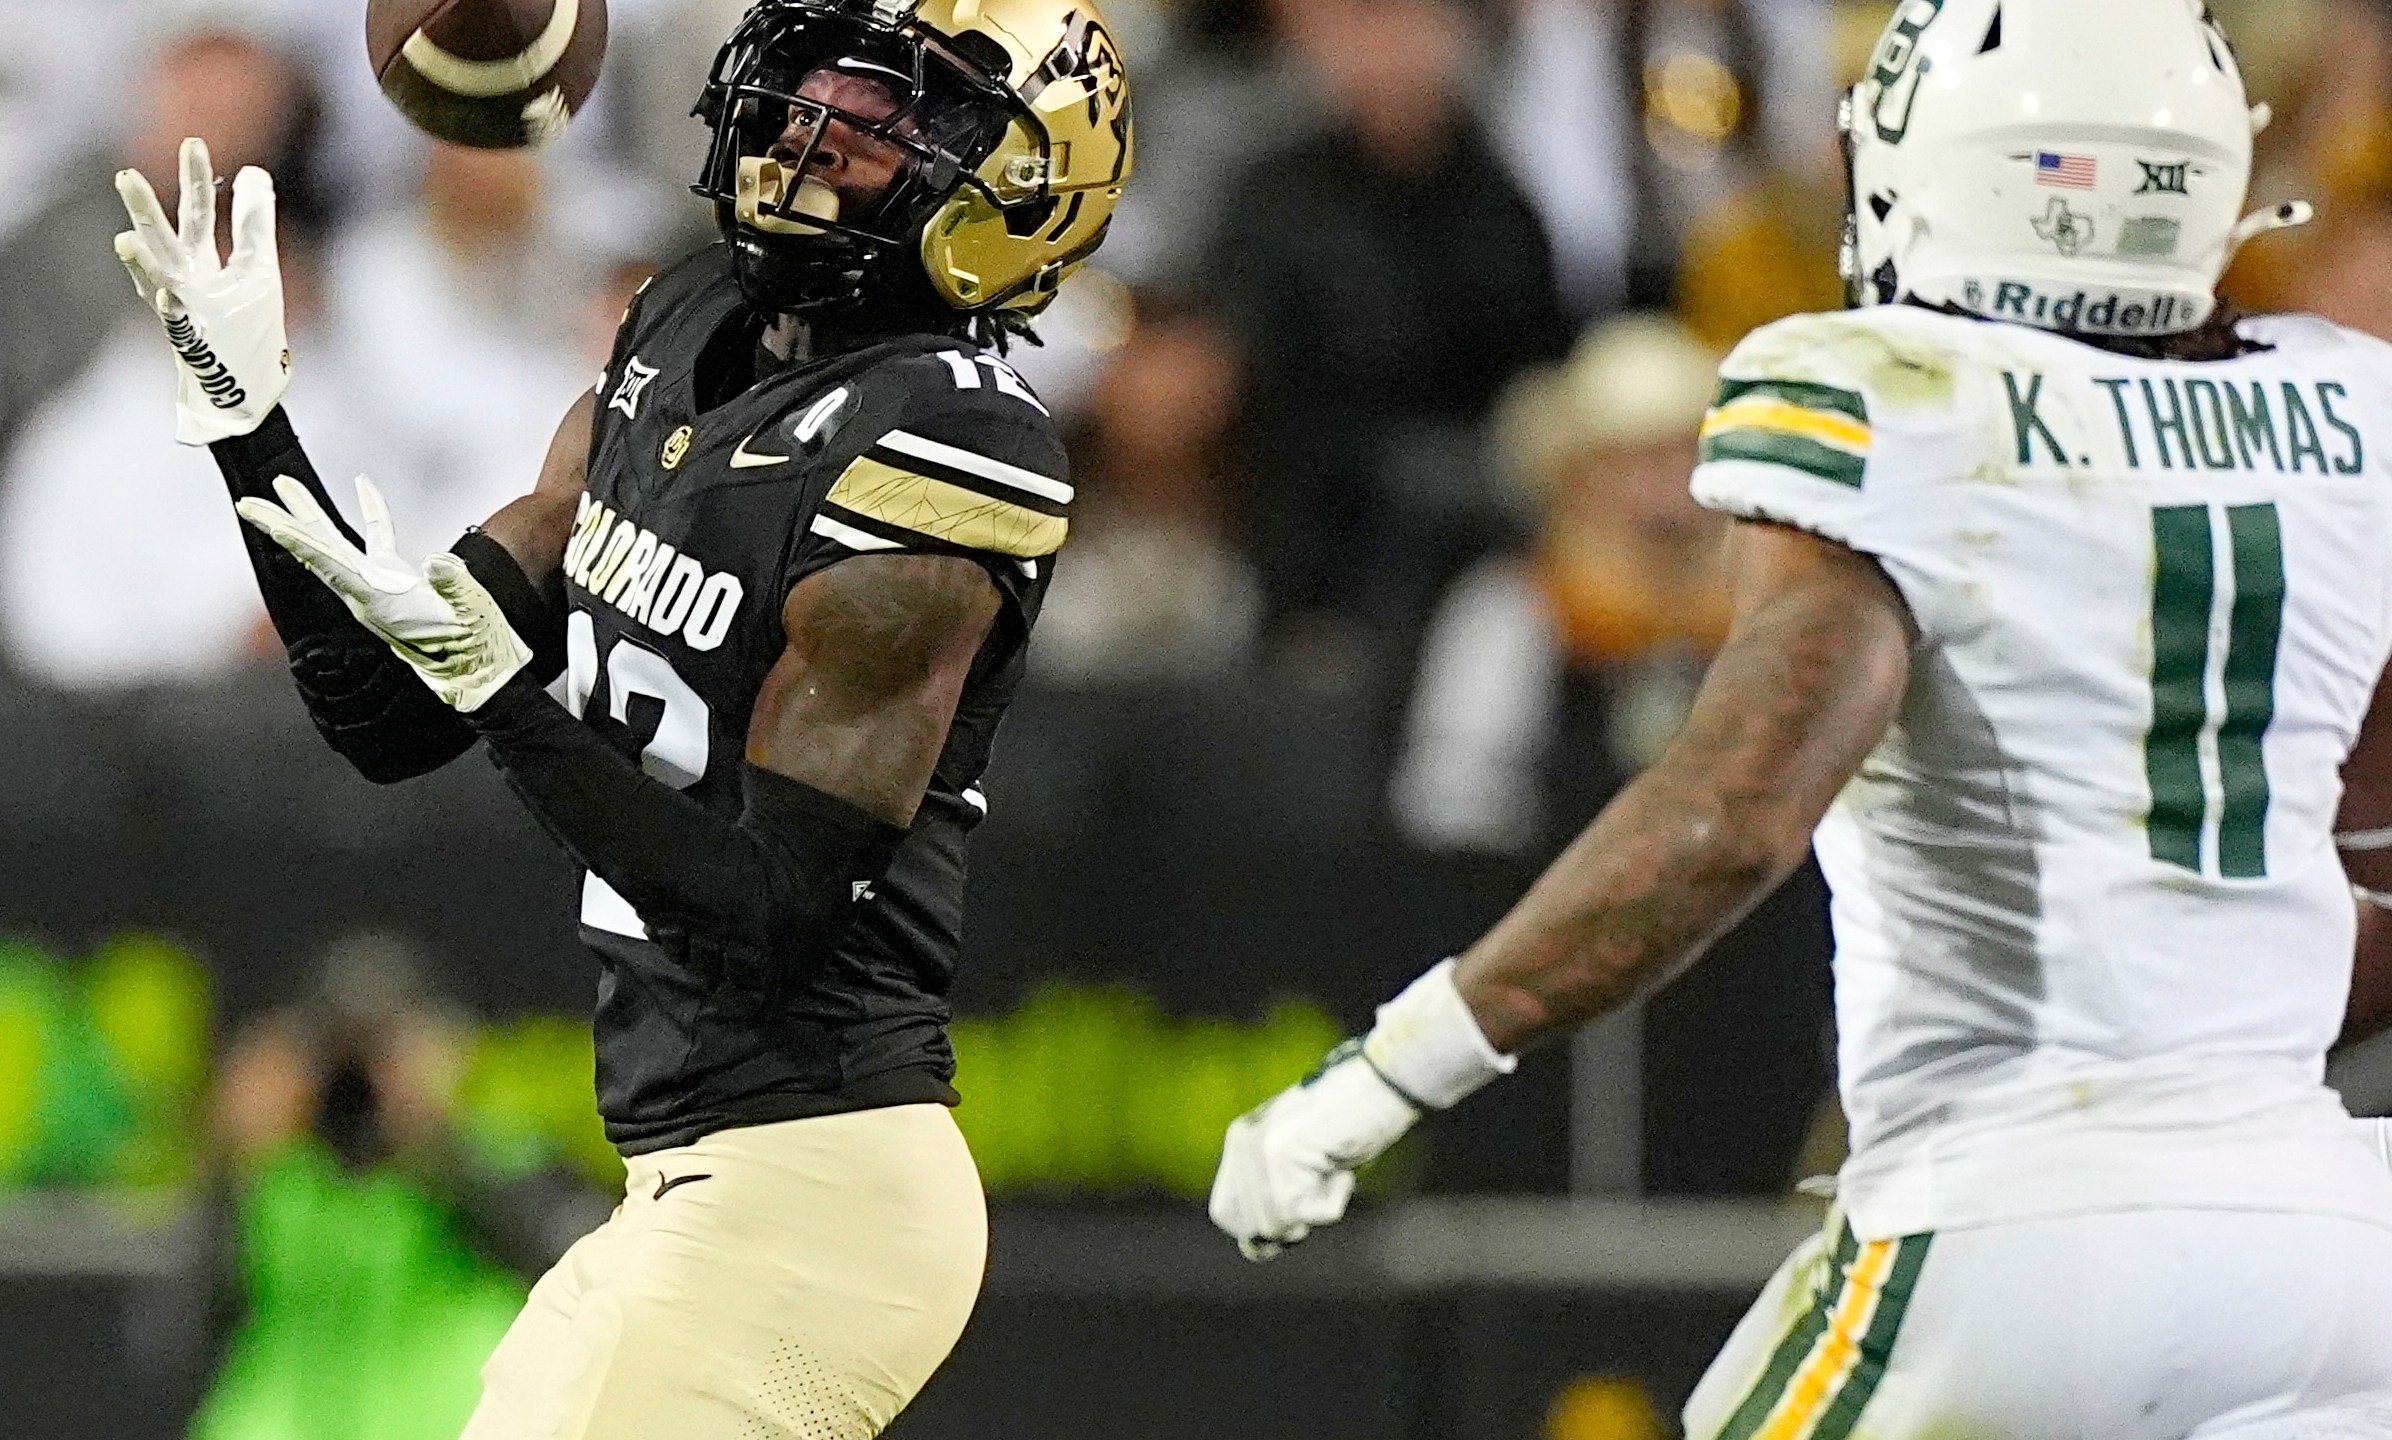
(2093,937)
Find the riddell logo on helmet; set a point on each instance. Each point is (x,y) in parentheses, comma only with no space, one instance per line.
(2111,314)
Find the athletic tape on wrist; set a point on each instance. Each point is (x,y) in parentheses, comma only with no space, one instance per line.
(1427,1044)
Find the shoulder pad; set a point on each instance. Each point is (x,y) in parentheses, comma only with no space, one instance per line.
(2314,333)
(960,454)
(963,397)
(1794,394)
(1898,356)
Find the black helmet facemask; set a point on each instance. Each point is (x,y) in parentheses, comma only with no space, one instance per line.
(835,139)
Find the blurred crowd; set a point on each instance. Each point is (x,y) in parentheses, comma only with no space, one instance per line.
(1385,385)
(1384,391)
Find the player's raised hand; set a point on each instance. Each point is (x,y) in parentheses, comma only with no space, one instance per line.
(223,318)
(439,619)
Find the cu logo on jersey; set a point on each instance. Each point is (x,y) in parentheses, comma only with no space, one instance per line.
(1898,68)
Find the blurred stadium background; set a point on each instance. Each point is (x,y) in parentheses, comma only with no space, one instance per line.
(1384,394)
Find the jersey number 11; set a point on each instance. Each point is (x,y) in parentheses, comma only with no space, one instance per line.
(2217,615)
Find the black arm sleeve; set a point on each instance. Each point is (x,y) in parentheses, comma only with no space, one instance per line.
(366,702)
(755,900)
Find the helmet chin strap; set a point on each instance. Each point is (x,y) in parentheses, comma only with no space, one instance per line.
(2290,215)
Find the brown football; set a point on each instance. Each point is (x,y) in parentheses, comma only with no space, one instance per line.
(497,74)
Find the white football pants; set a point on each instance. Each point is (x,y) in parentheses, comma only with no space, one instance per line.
(2127,1325)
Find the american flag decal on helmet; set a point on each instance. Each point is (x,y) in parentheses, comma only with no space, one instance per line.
(2066,172)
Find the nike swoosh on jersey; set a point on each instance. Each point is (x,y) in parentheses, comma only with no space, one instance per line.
(745,459)
(675,1183)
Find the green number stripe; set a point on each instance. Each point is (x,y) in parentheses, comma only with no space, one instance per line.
(2257,627)
(2182,592)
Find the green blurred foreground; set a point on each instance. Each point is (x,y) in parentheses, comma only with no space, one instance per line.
(367,1307)
(104,1067)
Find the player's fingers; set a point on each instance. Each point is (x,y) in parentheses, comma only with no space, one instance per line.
(381,536)
(197,213)
(151,277)
(149,219)
(291,535)
(147,282)
(1228,1203)
(453,582)
(1322,1202)
(254,243)
(304,511)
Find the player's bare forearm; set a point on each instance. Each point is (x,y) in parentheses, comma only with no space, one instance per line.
(2364,829)
(861,702)
(1812,674)
(536,528)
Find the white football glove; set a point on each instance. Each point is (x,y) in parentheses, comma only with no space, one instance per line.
(232,354)
(437,617)
(1289,1166)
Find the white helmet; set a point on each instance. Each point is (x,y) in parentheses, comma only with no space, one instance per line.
(2077,165)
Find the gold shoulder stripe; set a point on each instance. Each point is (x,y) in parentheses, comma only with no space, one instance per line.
(1762,412)
(934,508)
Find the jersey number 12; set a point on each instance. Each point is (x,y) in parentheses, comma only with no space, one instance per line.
(2217,615)
(677,754)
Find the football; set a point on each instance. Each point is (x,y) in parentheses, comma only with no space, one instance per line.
(495,74)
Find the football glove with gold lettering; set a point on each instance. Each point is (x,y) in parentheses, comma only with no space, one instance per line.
(224,319)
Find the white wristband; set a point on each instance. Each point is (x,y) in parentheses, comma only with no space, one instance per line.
(1428,1045)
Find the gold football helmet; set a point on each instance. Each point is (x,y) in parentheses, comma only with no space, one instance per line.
(966,154)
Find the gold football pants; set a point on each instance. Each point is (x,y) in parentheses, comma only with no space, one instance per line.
(797,1281)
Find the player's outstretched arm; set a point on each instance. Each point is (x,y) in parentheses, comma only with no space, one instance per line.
(841,746)
(340,600)
(1812,674)
(223,317)
(2364,834)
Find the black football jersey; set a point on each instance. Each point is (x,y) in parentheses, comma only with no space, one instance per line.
(695,527)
